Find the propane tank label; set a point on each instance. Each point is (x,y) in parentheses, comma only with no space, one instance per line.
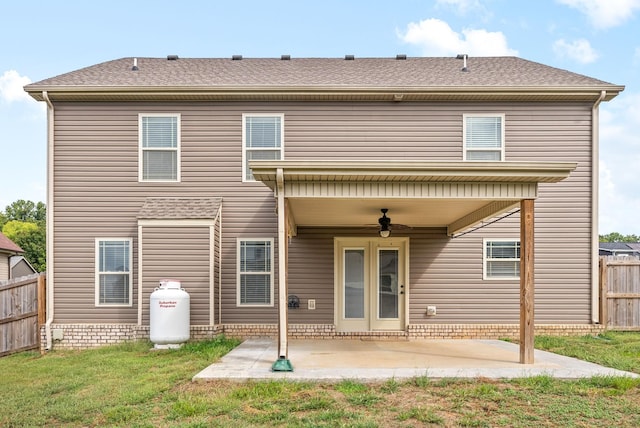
(167,303)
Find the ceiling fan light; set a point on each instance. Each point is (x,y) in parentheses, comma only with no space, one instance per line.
(384,223)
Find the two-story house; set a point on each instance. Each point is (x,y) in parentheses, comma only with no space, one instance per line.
(323,197)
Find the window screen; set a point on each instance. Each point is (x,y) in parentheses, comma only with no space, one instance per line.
(114,272)
(159,137)
(255,272)
(262,140)
(483,138)
(502,259)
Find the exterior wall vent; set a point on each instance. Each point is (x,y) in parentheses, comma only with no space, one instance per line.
(401,56)
(236,57)
(349,57)
(172,57)
(285,57)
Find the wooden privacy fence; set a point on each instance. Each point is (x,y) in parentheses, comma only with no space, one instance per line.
(620,292)
(22,312)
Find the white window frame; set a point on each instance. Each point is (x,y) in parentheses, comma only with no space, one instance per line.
(129,273)
(239,273)
(177,149)
(244,142)
(501,150)
(486,260)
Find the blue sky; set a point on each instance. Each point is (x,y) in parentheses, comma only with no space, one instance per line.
(598,38)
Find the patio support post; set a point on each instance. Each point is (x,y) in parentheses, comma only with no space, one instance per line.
(527,287)
(282,364)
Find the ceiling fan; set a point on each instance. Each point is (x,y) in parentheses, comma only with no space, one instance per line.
(384,223)
(386,226)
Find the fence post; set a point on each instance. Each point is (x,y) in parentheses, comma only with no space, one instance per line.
(42,299)
(603,291)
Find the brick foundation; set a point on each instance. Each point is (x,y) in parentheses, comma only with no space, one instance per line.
(83,336)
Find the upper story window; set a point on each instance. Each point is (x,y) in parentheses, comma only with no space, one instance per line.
(113,272)
(159,158)
(262,139)
(255,272)
(501,259)
(483,136)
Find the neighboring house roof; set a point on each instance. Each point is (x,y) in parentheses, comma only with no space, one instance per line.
(407,78)
(613,248)
(7,245)
(180,208)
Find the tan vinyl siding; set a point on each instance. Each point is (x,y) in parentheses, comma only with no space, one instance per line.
(97,194)
(181,253)
(4,266)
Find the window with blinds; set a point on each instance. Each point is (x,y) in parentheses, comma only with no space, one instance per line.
(159,147)
(501,259)
(483,137)
(113,272)
(262,136)
(255,272)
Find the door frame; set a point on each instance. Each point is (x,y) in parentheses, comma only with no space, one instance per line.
(371,246)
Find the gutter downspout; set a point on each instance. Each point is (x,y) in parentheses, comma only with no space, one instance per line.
(220,266)
(595,190)
(49,226)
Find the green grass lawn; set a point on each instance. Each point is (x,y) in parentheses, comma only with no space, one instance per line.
(133,386)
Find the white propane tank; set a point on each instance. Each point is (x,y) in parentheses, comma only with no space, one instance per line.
(169,315)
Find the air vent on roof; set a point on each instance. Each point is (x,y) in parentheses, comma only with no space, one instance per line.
(135,65)
(349,57)
(172,57)
(285,57)
(401,56)
(463,57)
(236,57)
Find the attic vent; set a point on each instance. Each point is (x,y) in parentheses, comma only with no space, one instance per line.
(401,56)
(349,57)
(236,57)
(285,57)
(172,57)
(135,65)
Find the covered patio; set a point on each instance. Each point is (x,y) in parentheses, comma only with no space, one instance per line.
(452,195)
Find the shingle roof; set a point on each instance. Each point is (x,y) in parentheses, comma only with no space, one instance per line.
(180,208)
(421,72)
(7,244)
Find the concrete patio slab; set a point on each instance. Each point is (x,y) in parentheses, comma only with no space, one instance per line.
(370,360)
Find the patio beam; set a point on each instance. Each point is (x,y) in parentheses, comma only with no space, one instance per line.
(527,286)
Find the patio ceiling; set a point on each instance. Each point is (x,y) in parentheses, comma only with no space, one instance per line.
(455,195)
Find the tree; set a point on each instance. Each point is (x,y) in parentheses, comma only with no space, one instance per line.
(618,237)
(22,210)
(24,222)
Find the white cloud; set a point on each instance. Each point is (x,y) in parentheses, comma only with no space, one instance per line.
(11,84)
(579,50)
(437,38)
(619,160)
(605,13)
